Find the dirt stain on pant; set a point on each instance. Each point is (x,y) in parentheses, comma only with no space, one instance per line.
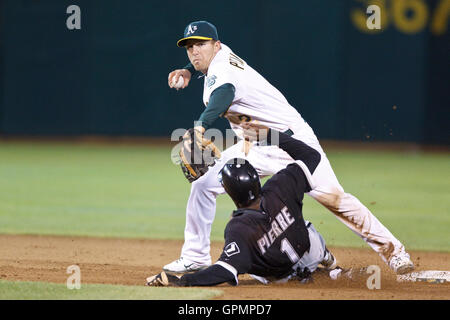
(346,207)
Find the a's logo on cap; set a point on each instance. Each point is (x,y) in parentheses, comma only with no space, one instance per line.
(191,29)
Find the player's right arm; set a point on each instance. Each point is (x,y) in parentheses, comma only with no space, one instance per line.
(220,98)
(187,72)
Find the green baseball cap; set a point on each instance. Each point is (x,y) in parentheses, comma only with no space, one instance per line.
(202,30)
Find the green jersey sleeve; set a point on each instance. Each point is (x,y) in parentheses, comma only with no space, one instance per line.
(219,102)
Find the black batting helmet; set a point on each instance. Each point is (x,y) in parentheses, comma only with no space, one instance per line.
(241,181)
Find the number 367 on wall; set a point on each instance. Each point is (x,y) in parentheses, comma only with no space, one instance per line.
(407,16)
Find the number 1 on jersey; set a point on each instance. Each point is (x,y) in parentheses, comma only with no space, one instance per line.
(287,248)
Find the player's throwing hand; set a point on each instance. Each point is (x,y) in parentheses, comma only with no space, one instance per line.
(175,75)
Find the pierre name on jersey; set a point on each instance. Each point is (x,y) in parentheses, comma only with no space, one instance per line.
(281,222)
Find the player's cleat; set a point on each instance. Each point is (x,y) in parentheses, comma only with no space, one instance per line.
(183,266)
(401,263)
(329,262)
(158,280)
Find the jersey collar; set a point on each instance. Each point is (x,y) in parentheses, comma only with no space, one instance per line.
(238,212)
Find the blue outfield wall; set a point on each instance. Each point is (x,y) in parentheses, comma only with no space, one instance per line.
(110,76)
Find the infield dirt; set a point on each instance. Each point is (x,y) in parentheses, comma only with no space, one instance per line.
(130,261)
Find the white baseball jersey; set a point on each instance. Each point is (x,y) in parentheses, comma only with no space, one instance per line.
(255,98)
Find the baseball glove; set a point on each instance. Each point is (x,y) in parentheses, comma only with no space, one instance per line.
(197,154)
(162,280)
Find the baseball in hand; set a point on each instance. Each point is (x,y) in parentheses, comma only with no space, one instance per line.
(179,83)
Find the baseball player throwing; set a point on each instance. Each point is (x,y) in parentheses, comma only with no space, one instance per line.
(234,90)
(267,236)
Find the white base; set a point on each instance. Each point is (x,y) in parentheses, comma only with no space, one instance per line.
(430,276)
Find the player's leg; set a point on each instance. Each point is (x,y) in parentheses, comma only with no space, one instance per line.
(200,213)
(317,253)
(349,210)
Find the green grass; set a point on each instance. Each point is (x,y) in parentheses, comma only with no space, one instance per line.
(136,192)
(17,290)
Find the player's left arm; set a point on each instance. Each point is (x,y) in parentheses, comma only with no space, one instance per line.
(219,102)
(211,276)
(235,259)
(299,173)
(297,149)
(306,157)
(298,176)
